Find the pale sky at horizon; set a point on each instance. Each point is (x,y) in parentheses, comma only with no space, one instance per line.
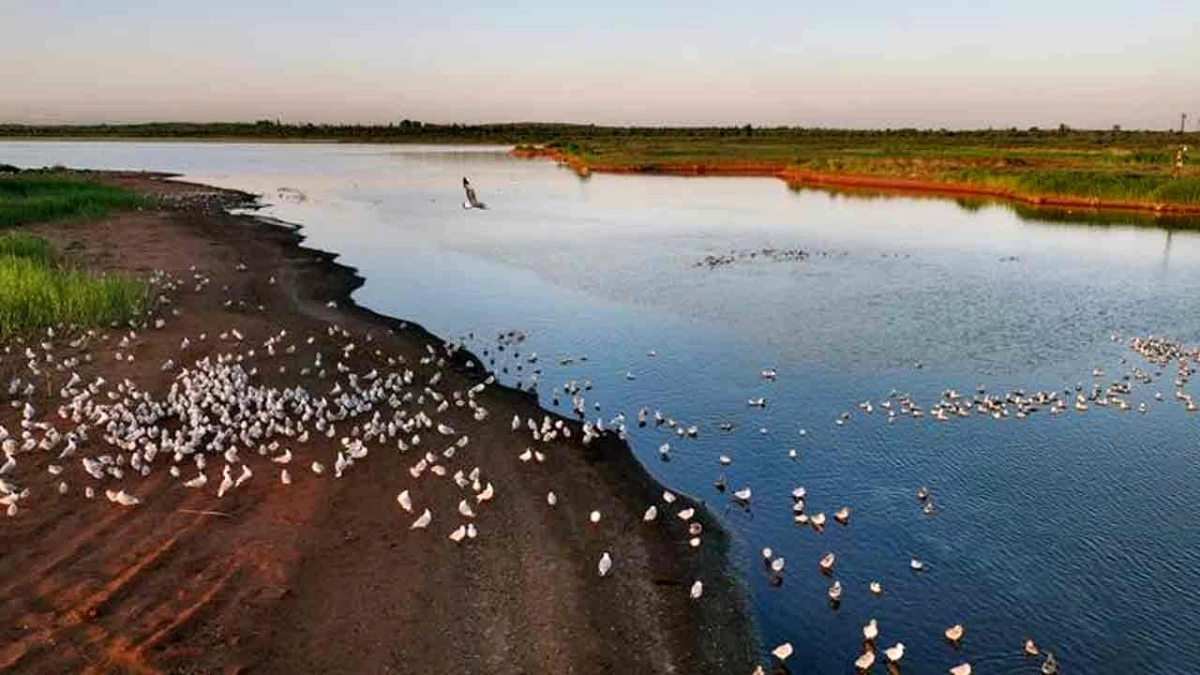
(858,63)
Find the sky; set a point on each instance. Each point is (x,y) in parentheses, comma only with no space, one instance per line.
(844,63)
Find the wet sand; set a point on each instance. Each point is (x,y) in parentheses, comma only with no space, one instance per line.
(324,576)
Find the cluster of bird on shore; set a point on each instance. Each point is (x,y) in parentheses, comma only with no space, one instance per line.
(102,436)
(217,412)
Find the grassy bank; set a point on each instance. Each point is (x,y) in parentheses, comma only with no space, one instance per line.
(35,295)
(27,198)
(1088,168)
(38,288)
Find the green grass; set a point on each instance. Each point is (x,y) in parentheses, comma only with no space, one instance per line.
(1101,165)
(37,293)
(27,199)
(26,246)
(1150,187)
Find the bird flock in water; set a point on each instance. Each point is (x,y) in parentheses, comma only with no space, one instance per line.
(103,437)
(1164,356)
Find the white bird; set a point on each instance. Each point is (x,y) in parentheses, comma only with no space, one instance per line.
(246,474)
(835,591)
(961,669)
(650,514)
(605,564)
(871,631)
(551,499)
(917,565)
(895,652)
(318,468)
(842,515)
(594,516)
(955,633)
(197,482)
(121,497)
(827,562)
(687,513)
(486,494)
(742,495)
(226,483)
(423,521)
(865,661)
(465,509)
(876,588)
(783,651)
(285,477)
(405,501)
(668,497)
(458,534)
(697,590)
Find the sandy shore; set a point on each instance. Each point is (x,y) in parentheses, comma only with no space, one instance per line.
(882,184)
(323,575)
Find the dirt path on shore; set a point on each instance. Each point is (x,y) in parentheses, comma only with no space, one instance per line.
(324,575)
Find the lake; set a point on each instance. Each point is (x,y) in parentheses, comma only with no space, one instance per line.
(1077,529)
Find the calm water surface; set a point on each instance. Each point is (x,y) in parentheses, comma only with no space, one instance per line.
(1079,530)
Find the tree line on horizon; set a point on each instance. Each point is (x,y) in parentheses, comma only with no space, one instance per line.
(545,132)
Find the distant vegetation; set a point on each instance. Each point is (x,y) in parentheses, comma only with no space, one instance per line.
(1105,165)
(34,197)
(38,288)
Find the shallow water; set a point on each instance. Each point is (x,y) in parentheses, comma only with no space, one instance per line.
(1079,530)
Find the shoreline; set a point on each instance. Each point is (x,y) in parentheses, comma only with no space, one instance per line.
(796,177)
(265,606)
(715,555)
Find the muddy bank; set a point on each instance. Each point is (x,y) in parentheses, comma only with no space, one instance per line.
(797,177)
(324,574)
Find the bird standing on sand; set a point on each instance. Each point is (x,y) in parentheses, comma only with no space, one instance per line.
(605,564)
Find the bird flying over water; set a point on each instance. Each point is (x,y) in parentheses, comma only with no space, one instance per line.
(472,201)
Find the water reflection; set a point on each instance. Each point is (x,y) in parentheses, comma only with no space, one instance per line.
(1030,213)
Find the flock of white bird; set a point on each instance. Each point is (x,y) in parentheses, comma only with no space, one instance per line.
(1161,353)
(1019,405)
(103,436)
